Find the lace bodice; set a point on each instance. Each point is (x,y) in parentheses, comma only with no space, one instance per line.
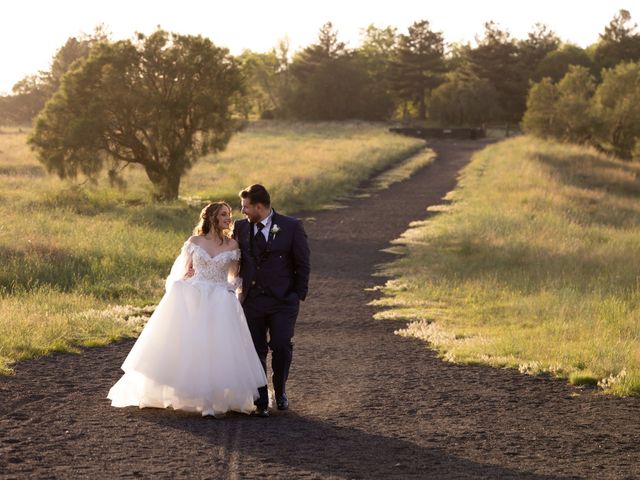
(213,269)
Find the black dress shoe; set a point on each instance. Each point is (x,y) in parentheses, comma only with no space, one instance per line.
(261,412)
(282,402)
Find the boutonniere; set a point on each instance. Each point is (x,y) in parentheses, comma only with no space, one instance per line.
(275,229)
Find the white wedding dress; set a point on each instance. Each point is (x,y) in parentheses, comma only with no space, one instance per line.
(195,353)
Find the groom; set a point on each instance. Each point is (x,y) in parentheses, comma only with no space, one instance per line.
(275,276)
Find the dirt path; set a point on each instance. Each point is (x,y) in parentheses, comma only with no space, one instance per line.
(364,402)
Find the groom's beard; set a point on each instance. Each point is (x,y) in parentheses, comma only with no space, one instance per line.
(256,217)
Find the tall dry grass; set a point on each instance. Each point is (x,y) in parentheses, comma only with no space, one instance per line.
(534,265)
(79,261)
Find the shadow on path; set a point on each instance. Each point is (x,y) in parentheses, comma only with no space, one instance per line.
(314,446)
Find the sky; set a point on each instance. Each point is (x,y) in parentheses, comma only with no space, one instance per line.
(32,30)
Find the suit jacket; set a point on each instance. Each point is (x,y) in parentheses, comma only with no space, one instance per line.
(282,269)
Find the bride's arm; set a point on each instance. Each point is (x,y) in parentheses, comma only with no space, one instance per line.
(181,265)
(190,272)
(233,275)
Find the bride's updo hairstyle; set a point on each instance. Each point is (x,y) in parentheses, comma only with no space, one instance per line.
(205,225)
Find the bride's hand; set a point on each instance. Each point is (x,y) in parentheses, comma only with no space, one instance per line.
(190,272)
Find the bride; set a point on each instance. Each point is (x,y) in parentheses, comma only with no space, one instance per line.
(196,352)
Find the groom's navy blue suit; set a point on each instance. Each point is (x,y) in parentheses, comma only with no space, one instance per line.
(275,277)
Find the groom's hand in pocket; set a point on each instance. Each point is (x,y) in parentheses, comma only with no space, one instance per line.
(293,297)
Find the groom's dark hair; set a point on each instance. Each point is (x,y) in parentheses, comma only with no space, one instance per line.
(256,193)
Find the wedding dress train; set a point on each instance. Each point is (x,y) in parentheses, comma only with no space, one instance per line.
(196,352)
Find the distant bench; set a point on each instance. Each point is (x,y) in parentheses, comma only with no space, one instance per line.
(460,133)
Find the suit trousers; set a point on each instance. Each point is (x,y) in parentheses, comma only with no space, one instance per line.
(271,323)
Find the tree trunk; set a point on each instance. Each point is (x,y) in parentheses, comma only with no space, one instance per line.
(166,184)
(168,189)
(422,109)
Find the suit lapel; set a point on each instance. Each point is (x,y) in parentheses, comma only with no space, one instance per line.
(247,240)
(272,236)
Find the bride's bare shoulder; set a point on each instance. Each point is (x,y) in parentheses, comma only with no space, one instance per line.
(232,244)
(195,239)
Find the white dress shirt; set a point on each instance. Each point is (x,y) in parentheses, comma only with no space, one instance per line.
(267,226)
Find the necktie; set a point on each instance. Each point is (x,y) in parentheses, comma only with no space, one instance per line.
(259,241)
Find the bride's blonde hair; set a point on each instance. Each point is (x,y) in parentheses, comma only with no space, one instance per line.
(205,225)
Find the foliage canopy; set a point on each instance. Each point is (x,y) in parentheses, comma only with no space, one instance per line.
(160,102)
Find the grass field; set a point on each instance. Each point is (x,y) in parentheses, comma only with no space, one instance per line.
(79,262)
(533,265)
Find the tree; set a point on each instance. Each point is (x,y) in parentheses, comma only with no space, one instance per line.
(316,93)
(267,79)
(463,100)
(29,96)
(563,111)
(336,91)
(635,154)
(376,51)
(616,103)
(32,92)
(375,55)
(457,59)
(75,48)
(333,83)
(326,49)
(378,43)
(573,109)
(418,66)
(538,44)
(496,58)
(259,72)
(556,63)
(618,43)
(159,102)
(540,117)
